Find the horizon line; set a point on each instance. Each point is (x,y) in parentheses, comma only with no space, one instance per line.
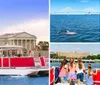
(74,14)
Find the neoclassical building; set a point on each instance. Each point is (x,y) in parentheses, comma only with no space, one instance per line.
(19,39)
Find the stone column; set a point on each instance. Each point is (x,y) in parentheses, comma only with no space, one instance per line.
(25,43)
(34,43)
(10,42)
(21,42)
(13,42)
(17,42)
(7,42)
(30,44)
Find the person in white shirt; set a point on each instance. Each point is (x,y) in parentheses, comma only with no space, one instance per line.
(80,71)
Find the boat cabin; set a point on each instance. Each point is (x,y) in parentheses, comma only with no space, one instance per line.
(12,51)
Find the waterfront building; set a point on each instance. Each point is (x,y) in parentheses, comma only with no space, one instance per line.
(19,39)
(73,54)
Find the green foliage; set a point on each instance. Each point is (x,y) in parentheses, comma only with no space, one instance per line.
(44,45)
(88,57)
(92,57)
(53,56)
(56,56)
(62,57)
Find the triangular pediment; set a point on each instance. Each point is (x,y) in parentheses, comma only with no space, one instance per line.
(24,34)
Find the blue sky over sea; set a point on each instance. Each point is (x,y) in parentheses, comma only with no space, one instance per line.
(74,6)
(86,47)
(24,15)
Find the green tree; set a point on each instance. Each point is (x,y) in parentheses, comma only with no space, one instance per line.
(44,45)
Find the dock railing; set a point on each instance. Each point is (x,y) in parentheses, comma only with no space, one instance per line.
(22,62)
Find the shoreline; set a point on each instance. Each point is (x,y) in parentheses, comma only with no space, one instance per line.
(87,60)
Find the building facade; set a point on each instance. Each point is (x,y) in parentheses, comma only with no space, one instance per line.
(73,54)
(19,39)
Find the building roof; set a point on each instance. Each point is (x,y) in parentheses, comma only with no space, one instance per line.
(9,35)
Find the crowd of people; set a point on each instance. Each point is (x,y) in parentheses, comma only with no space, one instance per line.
(76,72)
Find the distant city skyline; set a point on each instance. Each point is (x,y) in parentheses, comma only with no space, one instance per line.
(88,48)
(75,6)
(25,15)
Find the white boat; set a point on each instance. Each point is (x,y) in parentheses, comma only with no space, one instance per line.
(20,71)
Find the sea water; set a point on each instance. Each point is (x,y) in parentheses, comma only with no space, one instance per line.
(19,80)
(94,65)
(87,28)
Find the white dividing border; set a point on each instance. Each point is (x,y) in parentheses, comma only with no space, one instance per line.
(74,42)
(49,43)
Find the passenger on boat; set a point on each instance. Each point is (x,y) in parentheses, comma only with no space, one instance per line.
(89,75)
(19,55)
(39,55)
(63,71)
(80,71)
(72,71)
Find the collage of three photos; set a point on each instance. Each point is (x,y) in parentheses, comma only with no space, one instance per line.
(49,42)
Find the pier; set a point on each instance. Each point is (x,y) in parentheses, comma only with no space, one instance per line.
(84,61)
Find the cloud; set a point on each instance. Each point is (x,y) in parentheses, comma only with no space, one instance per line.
(39,28)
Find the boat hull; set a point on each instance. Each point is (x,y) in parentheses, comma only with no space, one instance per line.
(20,72)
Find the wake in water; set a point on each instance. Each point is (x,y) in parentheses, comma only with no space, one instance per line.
(17,76)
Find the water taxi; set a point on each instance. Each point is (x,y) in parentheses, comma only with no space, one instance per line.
(14,61)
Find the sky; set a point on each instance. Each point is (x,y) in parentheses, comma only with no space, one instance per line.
(87,47)
(25,15)
(74,6)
